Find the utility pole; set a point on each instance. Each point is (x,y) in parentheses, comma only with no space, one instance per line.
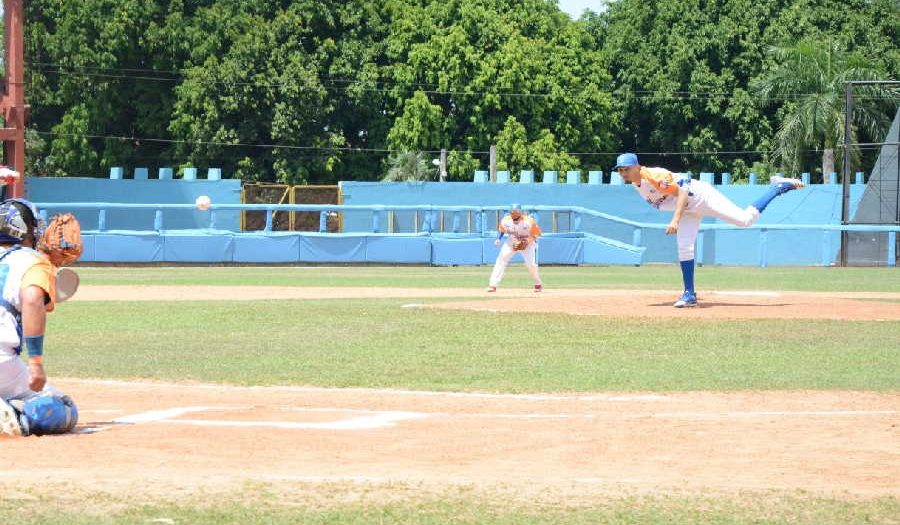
(12,98)
(493,163)
(443,174)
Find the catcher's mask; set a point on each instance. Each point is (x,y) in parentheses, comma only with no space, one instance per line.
(20,223)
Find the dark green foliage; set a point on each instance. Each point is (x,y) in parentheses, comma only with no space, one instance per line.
(339,85)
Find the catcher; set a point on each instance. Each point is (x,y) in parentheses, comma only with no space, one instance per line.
(29,257)
(523,232)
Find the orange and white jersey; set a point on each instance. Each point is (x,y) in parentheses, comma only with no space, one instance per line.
(526,227)
(20,268)
(659,187)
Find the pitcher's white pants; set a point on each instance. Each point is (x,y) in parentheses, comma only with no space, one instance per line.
(506,253)
(707,201)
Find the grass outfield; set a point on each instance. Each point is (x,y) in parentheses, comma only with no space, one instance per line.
(770,508)
(644,277)
(377,343)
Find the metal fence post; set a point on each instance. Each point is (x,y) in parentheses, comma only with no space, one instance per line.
(698,257)
(763,247)
(826,248)
(892,249)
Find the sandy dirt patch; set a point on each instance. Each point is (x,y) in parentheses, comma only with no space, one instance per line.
(192,437)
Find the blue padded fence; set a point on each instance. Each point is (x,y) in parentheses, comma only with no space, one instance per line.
(763,246)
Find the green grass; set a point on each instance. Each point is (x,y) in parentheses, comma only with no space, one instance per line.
(377,343)
(772,509)
(646,277)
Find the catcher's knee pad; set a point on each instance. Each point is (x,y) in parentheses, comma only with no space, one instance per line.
(51,414)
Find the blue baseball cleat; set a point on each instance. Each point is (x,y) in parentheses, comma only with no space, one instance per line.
(784,184)
(687,300)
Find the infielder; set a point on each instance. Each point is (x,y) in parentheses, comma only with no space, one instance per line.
(28,405)
(690,201)
(523,233)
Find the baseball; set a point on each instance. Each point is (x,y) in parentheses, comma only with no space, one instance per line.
(203,202)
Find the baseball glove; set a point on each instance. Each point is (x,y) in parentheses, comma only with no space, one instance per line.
(62,240)
(520,244)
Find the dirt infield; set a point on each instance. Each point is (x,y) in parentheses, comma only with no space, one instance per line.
(169,437)
(712,305)
(861,306)
(183,438)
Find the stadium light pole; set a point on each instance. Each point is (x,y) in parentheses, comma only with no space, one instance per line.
(845,204)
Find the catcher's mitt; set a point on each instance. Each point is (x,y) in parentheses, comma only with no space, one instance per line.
(520,244)
(62,240)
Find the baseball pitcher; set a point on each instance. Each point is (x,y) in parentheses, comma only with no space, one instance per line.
(690,201)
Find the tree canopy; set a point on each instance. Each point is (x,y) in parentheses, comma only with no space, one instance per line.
(325,90)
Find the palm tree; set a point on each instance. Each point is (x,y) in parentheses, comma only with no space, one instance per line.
(810,75)
(409,166)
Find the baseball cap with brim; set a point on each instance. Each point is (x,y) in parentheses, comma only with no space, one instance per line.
(626,160)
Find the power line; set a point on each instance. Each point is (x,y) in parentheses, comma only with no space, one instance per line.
(351,149)
(640,94)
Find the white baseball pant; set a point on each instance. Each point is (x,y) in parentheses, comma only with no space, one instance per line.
(707,201)
(506,253)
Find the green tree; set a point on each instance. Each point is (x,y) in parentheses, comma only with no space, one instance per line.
(811,75)
(482,63)
(515,152)
(409,166)
(420,127)
(682,69)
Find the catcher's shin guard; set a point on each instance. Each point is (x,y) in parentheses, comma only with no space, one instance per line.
(48,414)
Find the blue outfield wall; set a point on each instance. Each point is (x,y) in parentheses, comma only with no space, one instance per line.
(437,223)
(815,204)
(219,246)
(137,191)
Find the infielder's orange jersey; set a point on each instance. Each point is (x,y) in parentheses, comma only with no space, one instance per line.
(526,227)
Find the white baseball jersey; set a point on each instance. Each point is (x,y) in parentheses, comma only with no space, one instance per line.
(526,227)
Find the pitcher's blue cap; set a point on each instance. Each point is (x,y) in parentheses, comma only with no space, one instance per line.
(625,160)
